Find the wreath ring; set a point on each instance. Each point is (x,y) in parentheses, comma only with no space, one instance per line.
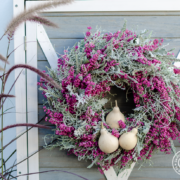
(86,74)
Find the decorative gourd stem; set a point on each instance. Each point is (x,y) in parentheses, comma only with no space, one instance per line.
(102,126)
(116,103)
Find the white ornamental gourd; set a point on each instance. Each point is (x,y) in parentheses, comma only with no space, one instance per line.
(128,140)
(107,142)
(114,116)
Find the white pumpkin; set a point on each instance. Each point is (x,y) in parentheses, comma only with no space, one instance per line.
(114,116)
(128,140)
(107,142)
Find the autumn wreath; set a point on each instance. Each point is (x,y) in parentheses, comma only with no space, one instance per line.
(86,73)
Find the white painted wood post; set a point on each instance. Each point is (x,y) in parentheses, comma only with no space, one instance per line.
(20,92)
(46,46)
(117,5)
(32,99)
(111,174)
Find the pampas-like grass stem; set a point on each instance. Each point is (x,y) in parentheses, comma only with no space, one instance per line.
(43,75)
(5,95)
(27,14)
(42,21)
(24,124)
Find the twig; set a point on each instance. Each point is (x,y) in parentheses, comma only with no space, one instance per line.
(30,155)
(2,91)
(51,171)
(24,124)
(21,135)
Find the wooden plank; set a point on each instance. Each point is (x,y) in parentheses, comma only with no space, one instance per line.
(156,24)
(60,159)
(43,132)
(32,105)
(117,5)
(154,173)
(177,143)
(126,173)
(61,44)
(110,174)
(139,178)
(41,98)
(41,116)
(41,112)
(40,54)
(113,13)
(46,46)
(56,158)
(20,92)
(41,66)
(90,174)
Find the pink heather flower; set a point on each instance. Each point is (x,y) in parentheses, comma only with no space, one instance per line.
(100,170)
(155,41)
(177,71)
(106,125)
(121,124)
(89,27)
(88,127)
(88,33)
(92,45)
(99,51)
(115,133)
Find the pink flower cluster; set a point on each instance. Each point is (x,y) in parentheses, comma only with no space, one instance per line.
(121,124)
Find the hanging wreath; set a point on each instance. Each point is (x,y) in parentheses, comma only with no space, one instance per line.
(86,74)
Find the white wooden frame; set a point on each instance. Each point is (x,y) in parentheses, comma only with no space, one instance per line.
(20,91)
(114,5)
(26,84)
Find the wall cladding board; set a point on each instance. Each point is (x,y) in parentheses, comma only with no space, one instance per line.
(93,174)
(72,27)
(61,44)
(70,31)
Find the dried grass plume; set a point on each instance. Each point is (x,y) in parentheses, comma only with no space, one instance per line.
(28,14)
(37,71)
(42,21)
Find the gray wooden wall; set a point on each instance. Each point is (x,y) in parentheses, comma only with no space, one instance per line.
(71,27)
